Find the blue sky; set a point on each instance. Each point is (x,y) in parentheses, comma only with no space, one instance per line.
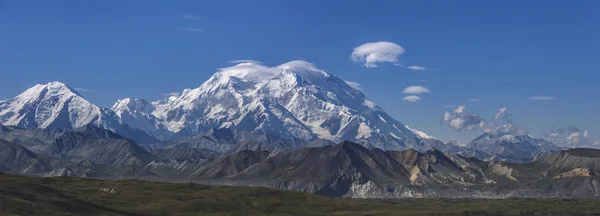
(501,53)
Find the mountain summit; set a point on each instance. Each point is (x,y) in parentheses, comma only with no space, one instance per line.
(292,100)
(56,105)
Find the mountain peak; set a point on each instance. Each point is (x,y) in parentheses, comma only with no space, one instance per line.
(133,104)
(56,105)
(301,67)
(54,88)
(53,105)
(294,99)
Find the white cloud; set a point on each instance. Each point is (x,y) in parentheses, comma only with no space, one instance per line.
(460,120)
(412,98)
(245,61)
(571,137)
(192,29)
(191,17)
(416,68)
(258,73)
(171,94)
(541,98)
(500,112)
(354,85)
(474,99)
(371,54)
(416,90)
(460,109)
(82,90)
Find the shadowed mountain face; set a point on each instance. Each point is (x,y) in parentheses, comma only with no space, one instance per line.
(350,170)
(343,170)
(84,151)
(346,169)
(228,141)
(15,158)
(183,152)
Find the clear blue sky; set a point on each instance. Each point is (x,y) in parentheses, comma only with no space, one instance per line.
(502,53)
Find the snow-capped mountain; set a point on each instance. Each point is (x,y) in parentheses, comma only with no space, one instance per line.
(137,114)
(292,100)
(56,105)
(508,147)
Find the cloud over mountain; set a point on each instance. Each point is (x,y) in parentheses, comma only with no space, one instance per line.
(459,119)
(372,54)
(571,136)
(355,85)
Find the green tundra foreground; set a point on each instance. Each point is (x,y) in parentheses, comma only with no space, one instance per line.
(76,196)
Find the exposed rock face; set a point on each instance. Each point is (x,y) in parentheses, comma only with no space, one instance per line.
(346,169)
(501,170)
(577,172)
(573,158)
(65,172)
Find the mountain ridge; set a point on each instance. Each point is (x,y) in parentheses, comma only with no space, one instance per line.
(294,100)
(56,105)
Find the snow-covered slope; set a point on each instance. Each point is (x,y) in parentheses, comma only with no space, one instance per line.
(509,147)
(292,100)
(137,114)
(56,105)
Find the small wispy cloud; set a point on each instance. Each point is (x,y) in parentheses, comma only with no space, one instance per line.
(82,90)
(542,98)
(354,85)
(450,106)
(170,94)
(416,68)
(474,99)
(244,61)
(421,81)
(191,17)
(192,29)
(412,98)
(416,90)
(500,112)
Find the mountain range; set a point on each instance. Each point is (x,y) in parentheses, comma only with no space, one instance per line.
(507,147)
(346,169)
(294,100)
(292,127)
(255,107)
